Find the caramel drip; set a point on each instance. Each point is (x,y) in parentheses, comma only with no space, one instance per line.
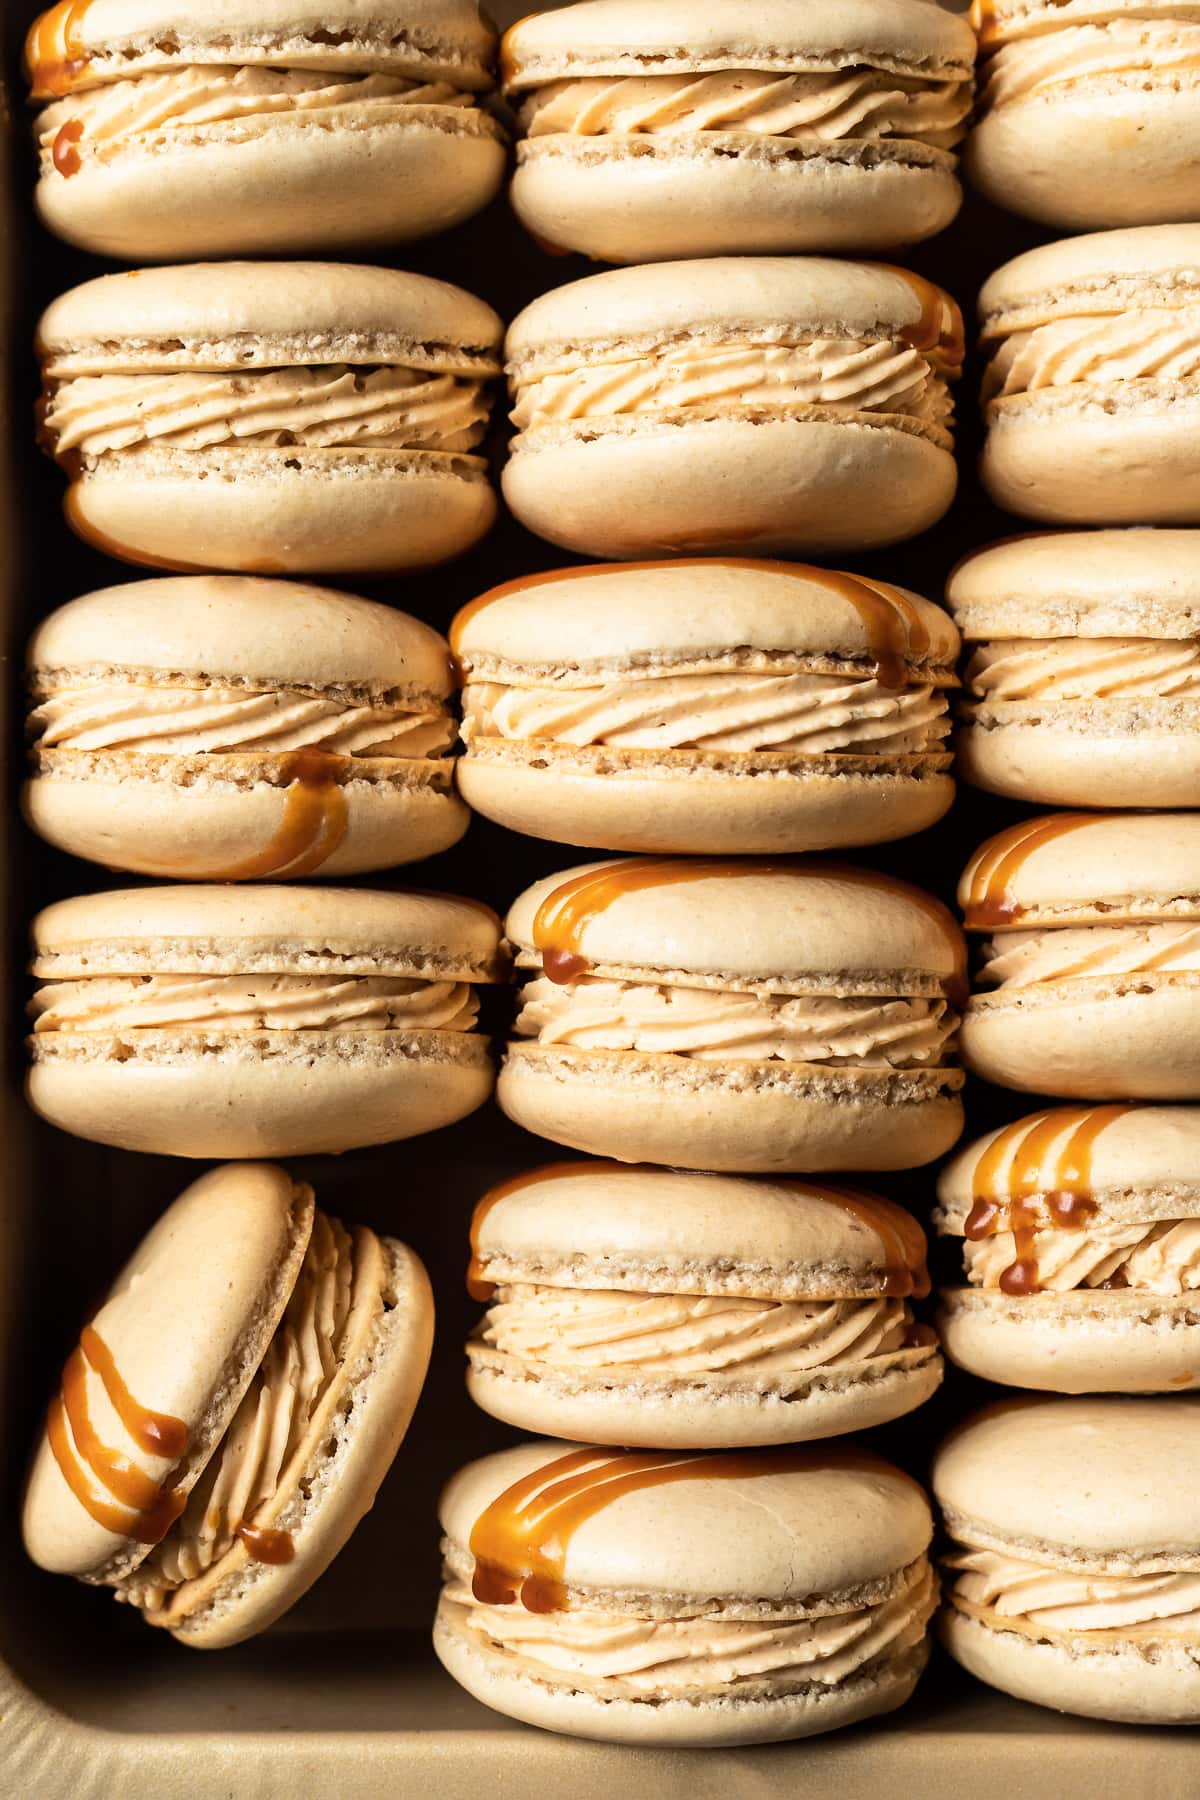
(940,325)
(478,1286)
(313,823)
(990,905)
(905,1274)
(146,1509)
(1033,1189)
(267,1545)
(521,1540)
(55,55)
(65,155)
(982,19)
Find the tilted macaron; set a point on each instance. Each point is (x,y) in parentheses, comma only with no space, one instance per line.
(231,1408)
(1083,684)
(685,1600)
(648,1306)
(1081,1230)
(1091,969)
(753,404)
(259,1021)
(740,126)
(706,705)
(273,418)
(239,128)
(1086,114)
(223,727)
(741,1016)
(1092,395)
(1074,1579)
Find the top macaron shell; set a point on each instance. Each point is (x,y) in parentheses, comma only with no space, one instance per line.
(652,145)
(625,462)
(261,129)
(271,465)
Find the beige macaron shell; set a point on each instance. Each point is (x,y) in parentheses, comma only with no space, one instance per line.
(187,1321)
(1100,272)
(1088,584)
(1082,1342)
(1103,871)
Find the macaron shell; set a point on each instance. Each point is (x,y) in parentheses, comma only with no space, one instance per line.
(1070,277)
(1082,1342)
(1103,758)
(1127,583)
(1096,457)
(1131,1038)
(1096,871)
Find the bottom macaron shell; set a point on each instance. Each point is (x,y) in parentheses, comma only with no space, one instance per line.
(627,197)
(688,803)
(1101,460)
(746,1117)
(713,1720)
(1132,1038)
(704,1412)
(1128,1683)
(216,818)
(282,512)
(262,1093)
(773,487)
(1150,764)
(1088,1342)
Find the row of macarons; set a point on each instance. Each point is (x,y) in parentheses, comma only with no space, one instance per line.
(319,417)
(668,128)
(236,1399)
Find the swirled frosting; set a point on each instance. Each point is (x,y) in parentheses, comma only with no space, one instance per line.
(1045,1599)
(1080,668)
(1073,952)
(1160,1257)
(1145,343)
(254,1003)
(1134,51)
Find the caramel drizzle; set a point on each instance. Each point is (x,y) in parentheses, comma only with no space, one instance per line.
(521,1540)
(1017,1188)
(65,154)
(313,823)
(939,330)
(982,20)
(990,904)
(147,1509)
(266,1545)
(55,55)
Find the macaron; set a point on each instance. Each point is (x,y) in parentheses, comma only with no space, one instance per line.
(1074,1577)
(1092,395)
(1083,682)
(231,1408)
(652,1307)
(761,405)
(243,128)
(259,1021)
(769,1017)
(271,418)
(1091,964)
(222,727)
(727,706)
(737,126)
(1081,1229)
(661,1599)
(1085,111)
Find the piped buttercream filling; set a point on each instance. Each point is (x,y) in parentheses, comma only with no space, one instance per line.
(1145,51)
(254,1003)
(1019,958)
(1032,1595)
(1081,668)
(1161,1256)
(1144,343)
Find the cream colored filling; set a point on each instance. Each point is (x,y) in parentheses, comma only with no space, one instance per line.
(597,1014)
(1079,668)
(825,105)
(1062,1600)
(806,712)
(254,1003)
(619,1655)
(678,1334)
(1143,344)
(329,407)
(1018,958)
(1161,1257)
(1148,51)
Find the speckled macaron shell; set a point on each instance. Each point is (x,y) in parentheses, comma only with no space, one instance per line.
(1140,750)
(1095,453)
(187,1322)
(206,815)
(282,509)
(583,627)
(1096,1486)
(284,179)
(629,197)
(205,1093)
(743,483)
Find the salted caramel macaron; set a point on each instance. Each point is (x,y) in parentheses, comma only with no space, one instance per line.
(271,418)
(671,1600)
(1090,962)
(729,706)
(1082,686)
(1081,1251)
(1085,112)
(1092,394)
(242,128)
(259,1021)
(737,127)
(764,405)
(221,727)
(231,1408)
(651,1307)
(1074,1574)
(756,1017)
